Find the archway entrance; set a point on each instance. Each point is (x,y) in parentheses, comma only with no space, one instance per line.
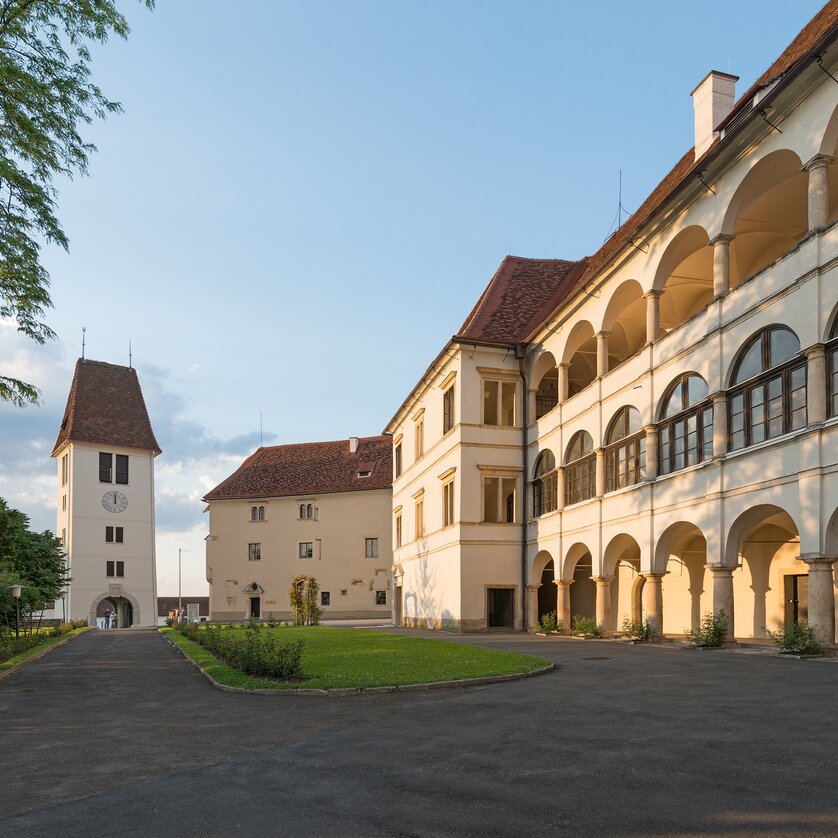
(687,589)
(583,589)
(547,591)
(118,605)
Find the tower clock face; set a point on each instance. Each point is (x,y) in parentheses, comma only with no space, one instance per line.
(114,501)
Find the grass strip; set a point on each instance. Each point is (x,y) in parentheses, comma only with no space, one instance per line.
(344,658)
(50,641)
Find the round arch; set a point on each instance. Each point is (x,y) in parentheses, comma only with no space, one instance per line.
(625,322)
(829,140)
(135,606)
(579,354)
(689,386)
(830,542)
(621,548)
(544,379)
(733,369)
(544,463)
(542,559)
(751,519)
(573,555)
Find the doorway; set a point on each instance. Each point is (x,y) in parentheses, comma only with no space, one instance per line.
(547,593)
(796,589)
(256,608)
(501,607)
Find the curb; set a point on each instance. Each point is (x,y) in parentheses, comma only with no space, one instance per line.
(38,656)
(340,692)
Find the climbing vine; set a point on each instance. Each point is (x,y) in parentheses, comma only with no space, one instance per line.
(302,596)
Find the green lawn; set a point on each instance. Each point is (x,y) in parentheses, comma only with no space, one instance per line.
(49,641)
(357,658)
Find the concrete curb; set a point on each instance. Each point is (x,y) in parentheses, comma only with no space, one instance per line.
(345,691)
(38,655)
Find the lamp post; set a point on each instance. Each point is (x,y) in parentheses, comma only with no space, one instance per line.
(63,594)
(179,551)
(16,589)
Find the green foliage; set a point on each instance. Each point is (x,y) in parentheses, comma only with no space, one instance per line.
(302,596)
(254,651)
(796,639)
(549,623)
(712,631)
(637,629)
(585,627)
(46,95)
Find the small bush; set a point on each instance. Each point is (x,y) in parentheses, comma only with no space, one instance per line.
(795,639)
(549,623)
(712,631)
(11,646)
(637,629)
(585,627)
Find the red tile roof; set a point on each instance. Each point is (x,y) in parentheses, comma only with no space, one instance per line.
(310,468)
(106,407)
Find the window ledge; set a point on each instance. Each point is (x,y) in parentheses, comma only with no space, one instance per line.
(785,439)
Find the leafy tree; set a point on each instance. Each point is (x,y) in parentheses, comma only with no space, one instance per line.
(46,95)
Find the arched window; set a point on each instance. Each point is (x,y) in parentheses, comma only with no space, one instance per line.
(580,469)
(547,395)
(685,432)
(261,513)
(832,356)
(309,511)
(625,450)
(302,510)
(545,486)
(254,513)
(768,396)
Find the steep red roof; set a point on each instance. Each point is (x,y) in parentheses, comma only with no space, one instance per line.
(106,407)
(521,294)
(310,468)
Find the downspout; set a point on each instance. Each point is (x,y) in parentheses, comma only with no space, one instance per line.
(521,354)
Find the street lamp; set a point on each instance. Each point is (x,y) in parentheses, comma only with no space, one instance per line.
(16,589)
(179,551)
(63,594)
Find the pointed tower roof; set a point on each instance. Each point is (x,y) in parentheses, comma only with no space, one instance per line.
(106,406)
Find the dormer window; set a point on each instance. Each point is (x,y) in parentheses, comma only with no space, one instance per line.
(364,473)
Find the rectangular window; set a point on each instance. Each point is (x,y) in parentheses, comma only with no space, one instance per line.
(109,535)
(254,552)
(499,403)
(499,505)
(115,569)
(580,480)
(381,597)
(833,382)
(448,504)
(65,464)
(122,468)
(325,597)
(420,439)
(64,503)
(371,548)
(420,518)
(398,529)
(105,468)
(64,537)
(447,410)
(306,549)
(397,460)
(120,569)
(118,535)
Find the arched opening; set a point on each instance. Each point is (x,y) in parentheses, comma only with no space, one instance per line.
(685,430)
(768,214)
(545,484)
(621,561)
(768,388)
(579,569)
(832,368)
(687,590)
(580,469)
(580,356)
(547,592)
(685,276)
(829,147)
(625,322)
(114,611)
(770,585)
(625,450)
(547,376)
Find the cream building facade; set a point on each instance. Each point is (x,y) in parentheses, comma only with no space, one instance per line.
(317,509)
(651,432)
(105,455)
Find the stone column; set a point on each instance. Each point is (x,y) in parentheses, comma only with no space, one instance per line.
(821,596)
(600,472)
(653,315)
(816,384)
(532,409)
(723,594)
(563,614)
(603,602)
(564,381)
(601,353)
(560,502)
(653,601)
(818,169)
(532,606)
(721,265)
(719,424)
(651,452)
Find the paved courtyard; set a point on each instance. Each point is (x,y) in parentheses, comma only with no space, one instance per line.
(115,734)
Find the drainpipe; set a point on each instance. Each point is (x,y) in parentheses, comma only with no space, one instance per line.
(521,354)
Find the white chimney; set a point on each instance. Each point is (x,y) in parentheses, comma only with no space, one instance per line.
(712,101)
(353,444)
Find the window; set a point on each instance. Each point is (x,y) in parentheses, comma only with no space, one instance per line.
(257,513)
(448,503)
(420,439)
(832,369)
(105,468)
(64,537)
(545,486)
(685,433)
(499,499)
(122,468)
(580,469)
(306,511)
(499,403)
(768,397)
(625,451)
(65,469)
(113,535)
(447,410)
(306,549)
(397,460)
(398,529)
(115,569)
(254,552)
(365,473)
(381,597)
(325,598)
(420,517)
(371,548)
(63,503)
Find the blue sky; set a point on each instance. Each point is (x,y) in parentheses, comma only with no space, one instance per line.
(302,201)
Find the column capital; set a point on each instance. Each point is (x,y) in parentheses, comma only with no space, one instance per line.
(562,584)
(654,293)
(816,350)
(817,162)
(603,333)
(815,559)
(718,396)
(562,365)
(720,570)
(651,428)
(722,238)
(531,587)
(654,574)
(602,579)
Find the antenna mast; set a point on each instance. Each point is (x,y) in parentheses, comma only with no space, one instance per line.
(83,330)
(130,356)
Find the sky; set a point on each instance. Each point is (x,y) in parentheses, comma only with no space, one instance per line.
(302,201)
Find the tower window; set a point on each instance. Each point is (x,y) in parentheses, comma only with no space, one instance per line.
(122,468)
(254,552)
(115,569)
(105,468)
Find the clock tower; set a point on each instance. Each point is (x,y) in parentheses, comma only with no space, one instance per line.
(105,454)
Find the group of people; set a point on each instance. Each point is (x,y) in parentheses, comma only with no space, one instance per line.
(108,621)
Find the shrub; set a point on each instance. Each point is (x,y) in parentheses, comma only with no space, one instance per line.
(549,623)
(302,596)
(795,639)
(11,646)
(585,627)
(637,629)
(711,632)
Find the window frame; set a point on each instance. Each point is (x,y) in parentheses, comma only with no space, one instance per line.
(397,459)
(254,551)
(579,472)
(120,473)
(545,487)
(448,413)
(104,456)
(371,547)
(381,595)
(501,381)
(305,549)
(625,458)
(500,511)
(397,528)
(325,599)
(448,503)
(667,439)
(831,348)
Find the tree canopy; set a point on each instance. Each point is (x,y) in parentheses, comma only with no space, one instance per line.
(46,96)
